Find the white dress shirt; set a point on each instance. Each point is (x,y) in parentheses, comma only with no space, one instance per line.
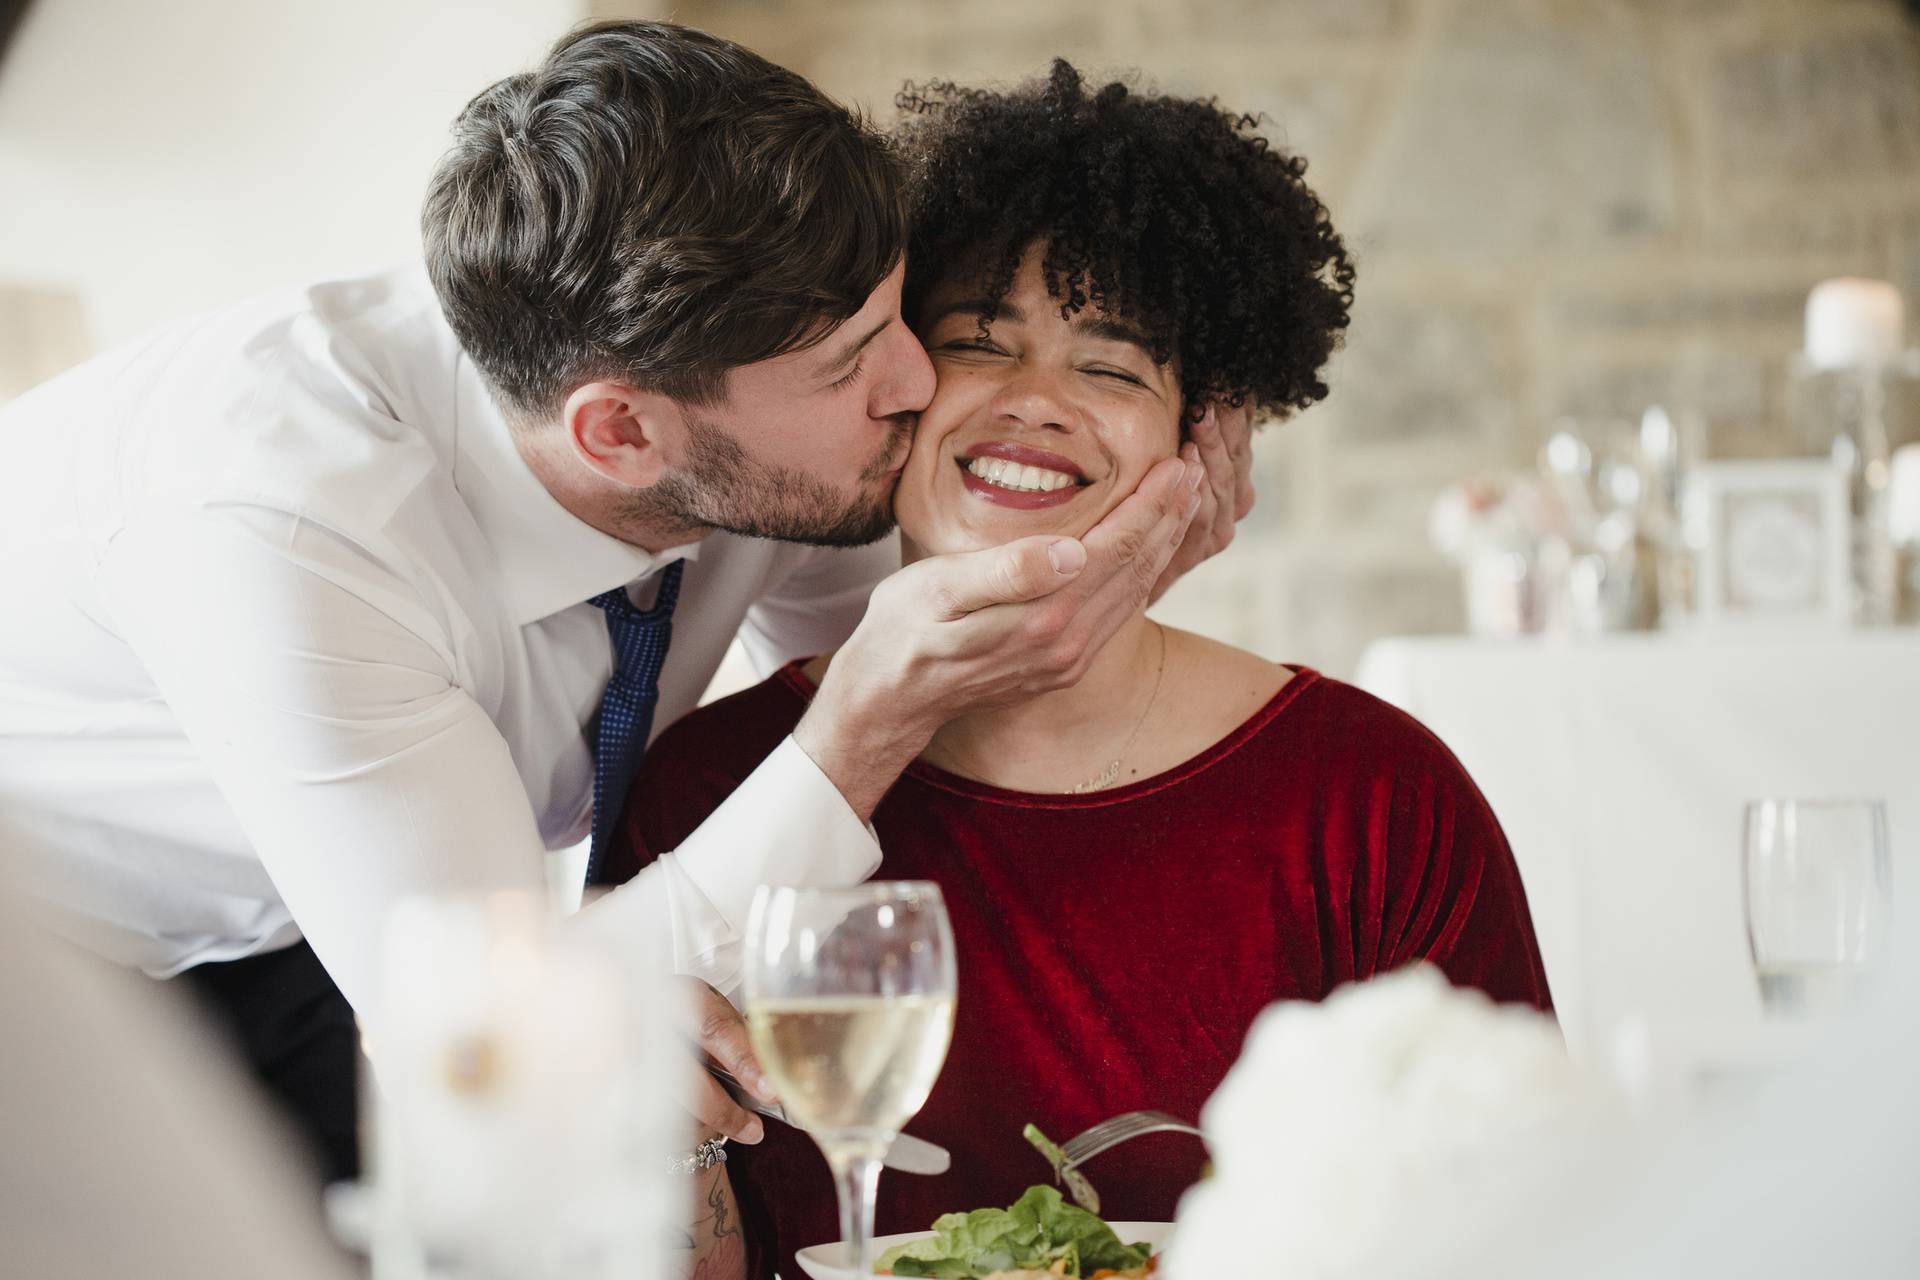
(291,630)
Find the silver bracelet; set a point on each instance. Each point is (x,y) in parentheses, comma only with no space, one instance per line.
(708,1154)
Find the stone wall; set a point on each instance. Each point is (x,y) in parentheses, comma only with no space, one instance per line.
(1558,206)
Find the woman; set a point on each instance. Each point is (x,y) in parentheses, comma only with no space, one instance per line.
(1134,866)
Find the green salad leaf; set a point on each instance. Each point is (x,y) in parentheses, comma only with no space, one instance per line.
(1034,1232)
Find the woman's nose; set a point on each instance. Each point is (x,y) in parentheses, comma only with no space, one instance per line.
(1034,397)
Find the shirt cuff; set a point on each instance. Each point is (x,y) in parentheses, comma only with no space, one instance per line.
(686,913)
(786,824)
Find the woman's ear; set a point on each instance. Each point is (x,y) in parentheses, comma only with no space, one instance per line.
(624,433)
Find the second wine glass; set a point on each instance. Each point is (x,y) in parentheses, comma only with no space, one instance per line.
(1819,900)
(849,996)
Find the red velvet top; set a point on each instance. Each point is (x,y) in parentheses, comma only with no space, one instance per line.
(1115,947)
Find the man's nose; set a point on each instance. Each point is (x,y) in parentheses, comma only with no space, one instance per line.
(908,385)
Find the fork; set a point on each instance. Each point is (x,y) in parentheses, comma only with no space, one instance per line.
(1121,1128)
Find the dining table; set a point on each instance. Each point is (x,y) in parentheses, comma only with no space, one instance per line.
(1620,766)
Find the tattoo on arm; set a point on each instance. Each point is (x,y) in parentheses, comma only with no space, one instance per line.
(714,1241)
(723,1224)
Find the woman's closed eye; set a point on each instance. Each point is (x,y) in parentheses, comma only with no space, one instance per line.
(1119,375)
(972,346)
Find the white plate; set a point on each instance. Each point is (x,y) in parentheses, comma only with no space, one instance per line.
(830,1261)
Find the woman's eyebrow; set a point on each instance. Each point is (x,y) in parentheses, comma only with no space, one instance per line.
(977,307)
(1113,331)
(1094,326)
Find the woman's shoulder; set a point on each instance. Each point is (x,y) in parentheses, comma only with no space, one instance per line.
(1304,712)
(1367,737)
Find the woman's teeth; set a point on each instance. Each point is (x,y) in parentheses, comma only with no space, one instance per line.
(1013,475)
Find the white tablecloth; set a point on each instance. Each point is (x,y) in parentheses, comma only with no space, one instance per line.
(1619,768)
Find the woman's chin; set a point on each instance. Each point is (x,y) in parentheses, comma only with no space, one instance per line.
(923,538)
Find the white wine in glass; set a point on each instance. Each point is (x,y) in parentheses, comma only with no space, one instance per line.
(850,1005)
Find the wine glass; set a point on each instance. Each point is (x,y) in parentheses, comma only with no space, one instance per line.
(1819,899)
(850,1006)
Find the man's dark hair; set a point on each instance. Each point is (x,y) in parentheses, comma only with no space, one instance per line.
(657,205)
(1169,212)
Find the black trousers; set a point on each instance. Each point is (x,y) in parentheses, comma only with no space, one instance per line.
(295,1032)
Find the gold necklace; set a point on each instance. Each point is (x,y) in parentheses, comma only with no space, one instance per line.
(1107,776)
(1111,774)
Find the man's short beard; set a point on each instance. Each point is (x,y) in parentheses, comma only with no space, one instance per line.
(723,488)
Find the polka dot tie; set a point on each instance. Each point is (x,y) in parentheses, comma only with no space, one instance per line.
(640,639)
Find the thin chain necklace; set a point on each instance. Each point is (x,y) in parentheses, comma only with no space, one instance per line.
(1111,774)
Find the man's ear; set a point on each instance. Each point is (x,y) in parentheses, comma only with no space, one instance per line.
(624,433)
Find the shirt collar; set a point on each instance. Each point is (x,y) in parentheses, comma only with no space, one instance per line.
(548,558)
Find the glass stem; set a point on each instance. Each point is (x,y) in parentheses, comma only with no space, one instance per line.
(858,1180)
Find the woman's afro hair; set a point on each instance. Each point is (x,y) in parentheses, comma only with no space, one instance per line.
(1170,212)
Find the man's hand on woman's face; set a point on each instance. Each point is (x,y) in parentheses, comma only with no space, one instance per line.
(1223,444)
(953,633)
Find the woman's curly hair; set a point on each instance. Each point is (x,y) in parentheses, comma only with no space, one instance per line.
(1170,212)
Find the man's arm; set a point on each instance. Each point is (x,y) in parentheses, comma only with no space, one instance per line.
(321,691)
(715,1245)
(321,694)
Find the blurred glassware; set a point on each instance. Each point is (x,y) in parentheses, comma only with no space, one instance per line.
(1613,582)
(1903,526)
(1819,900)
(516,1126)
(849,996)
(1493,529)
(1852,397)
(1670,447)
(1591,542)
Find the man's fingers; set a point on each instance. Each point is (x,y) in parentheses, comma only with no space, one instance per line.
(1214,453)
(1167,495)
(1138,579)
(1138,539)
(715,1111)
(1018,571)
(1236,430)
(722,1035)
(1215,522)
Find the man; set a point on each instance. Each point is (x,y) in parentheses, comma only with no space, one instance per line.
(324,599)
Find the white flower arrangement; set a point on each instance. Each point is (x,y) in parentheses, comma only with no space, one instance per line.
(1377,1132)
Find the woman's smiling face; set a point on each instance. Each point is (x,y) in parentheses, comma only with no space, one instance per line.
(1042,426)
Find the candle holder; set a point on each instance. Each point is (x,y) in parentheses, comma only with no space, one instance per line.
(1855,416)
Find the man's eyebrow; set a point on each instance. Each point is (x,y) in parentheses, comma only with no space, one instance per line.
(844,361)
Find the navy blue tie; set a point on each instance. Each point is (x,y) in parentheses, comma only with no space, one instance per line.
(640,639)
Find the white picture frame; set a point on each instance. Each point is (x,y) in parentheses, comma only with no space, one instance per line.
(1773,540)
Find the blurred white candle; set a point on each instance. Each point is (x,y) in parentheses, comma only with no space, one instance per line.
(1851,323)
(1903,497)
(522,1120)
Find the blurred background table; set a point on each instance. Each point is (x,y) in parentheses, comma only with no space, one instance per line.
(1619,768)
